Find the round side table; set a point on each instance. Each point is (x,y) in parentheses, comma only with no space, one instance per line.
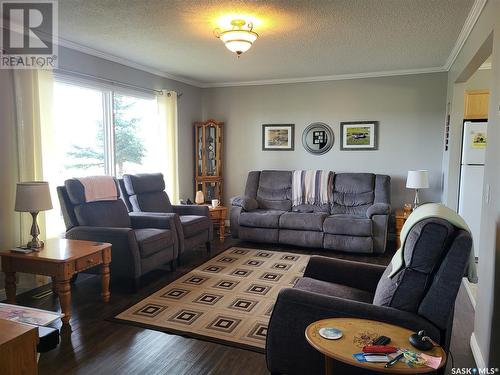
(342,350)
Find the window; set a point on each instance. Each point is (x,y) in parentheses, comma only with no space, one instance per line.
(136,134)
(98,131)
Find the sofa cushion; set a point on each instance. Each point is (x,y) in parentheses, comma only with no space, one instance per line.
(423,249)
(103,214)
(261,218)
(302,221)
(151,202)
(193,224)
(353,193)
(275,190)
(308,208)
(152,240)
(147,192)
(143,183)
(333,289)
(348,225)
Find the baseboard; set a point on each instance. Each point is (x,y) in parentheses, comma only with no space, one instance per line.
(476,352)
(466,285)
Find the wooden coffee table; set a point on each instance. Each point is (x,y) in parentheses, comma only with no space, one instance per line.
(343,348)
(218,216)
(60,259)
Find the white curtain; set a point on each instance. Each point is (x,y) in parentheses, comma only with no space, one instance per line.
(33,90)
(25,110)
(167,110)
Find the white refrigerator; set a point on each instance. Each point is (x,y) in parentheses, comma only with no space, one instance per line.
(472,176)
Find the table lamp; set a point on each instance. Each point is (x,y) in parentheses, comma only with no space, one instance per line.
(417,180)
(33,197)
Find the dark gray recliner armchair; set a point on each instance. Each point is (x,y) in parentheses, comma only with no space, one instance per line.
(420,296)
(139,244)
(145,193)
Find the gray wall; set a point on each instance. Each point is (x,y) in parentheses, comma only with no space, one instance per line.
(189,104)
(410,110)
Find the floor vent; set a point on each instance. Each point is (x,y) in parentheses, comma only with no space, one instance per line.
(43,294)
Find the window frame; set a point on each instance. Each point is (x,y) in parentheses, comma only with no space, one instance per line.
(108,91)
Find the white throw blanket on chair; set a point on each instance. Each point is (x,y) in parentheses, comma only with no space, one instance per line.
(311,187)
(99,188)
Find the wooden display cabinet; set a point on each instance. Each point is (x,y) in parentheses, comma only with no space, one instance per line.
(208,138)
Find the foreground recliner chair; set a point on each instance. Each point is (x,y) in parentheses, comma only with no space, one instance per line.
(139,243)
(419,296)
(145,193)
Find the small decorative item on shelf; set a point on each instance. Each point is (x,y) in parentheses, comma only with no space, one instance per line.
(33,197)
(200,197)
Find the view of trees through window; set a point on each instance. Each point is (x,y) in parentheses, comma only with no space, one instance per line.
(97,132)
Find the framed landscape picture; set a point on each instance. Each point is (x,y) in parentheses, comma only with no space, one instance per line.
(278,137)
(359,135)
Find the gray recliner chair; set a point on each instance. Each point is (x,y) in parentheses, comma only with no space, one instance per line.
(145,193)
(139,243)
(419,296)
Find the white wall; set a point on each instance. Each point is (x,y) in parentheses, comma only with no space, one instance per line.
(410,110)
(483,40)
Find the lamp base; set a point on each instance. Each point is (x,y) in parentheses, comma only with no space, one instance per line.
(416,201)
(35,244)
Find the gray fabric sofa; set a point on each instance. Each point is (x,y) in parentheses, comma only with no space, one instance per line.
(139,243)
(145,194)
(419,296)
(356,220)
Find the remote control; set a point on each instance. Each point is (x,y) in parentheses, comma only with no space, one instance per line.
(382,340)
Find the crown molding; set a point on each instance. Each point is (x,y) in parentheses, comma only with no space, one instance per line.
(470,21)
(132,64)
(337,77)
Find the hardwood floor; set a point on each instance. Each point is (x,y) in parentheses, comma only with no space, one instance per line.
(99,346)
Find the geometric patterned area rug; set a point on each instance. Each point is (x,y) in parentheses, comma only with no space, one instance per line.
(228,299)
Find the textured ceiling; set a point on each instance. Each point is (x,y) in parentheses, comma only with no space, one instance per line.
(297,38)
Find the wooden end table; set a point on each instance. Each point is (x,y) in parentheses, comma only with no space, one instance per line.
(60,259)
(218,216)
(342,349)
(401,217)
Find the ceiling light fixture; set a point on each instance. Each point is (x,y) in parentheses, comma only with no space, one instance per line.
(240,38)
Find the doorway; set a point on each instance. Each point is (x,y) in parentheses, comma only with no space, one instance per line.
(474,128)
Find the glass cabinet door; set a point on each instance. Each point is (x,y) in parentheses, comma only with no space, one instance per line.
(199,150)
(211,151)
